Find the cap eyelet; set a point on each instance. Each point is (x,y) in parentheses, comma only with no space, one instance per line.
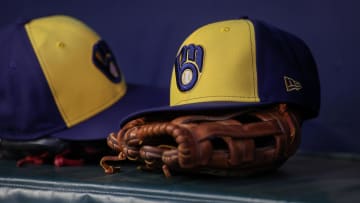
(61,44)
(225,29)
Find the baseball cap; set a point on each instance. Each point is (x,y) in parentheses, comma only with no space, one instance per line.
(241,63)
(58,78)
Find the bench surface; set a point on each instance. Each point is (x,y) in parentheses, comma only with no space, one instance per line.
(303,178)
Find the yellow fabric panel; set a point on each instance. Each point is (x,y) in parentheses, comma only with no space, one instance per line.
(79,89)
(229,64)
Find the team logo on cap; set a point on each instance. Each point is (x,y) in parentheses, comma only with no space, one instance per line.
(291,84)
(104,59)
(188,66)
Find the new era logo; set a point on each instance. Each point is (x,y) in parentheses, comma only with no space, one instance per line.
(292,84)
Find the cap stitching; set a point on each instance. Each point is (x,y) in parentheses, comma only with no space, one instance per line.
(252,57)
(196,98)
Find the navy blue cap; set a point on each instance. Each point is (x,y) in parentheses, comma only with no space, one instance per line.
(241,63)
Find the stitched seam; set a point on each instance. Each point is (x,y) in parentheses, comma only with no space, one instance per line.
(197,98)
(252,57)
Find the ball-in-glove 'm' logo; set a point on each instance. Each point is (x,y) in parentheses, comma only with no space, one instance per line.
(104,59)
(188,66)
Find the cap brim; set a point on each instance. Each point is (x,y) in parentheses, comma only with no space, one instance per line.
(137,97)
(196,108)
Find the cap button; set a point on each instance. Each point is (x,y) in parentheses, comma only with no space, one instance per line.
(61,44)
(225,29)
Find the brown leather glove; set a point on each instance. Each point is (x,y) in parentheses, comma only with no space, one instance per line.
(240,143)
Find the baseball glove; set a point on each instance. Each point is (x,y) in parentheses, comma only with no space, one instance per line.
(238,143)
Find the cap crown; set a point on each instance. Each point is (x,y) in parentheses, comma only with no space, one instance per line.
(245,61)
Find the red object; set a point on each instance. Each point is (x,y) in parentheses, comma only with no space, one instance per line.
(60,160)
(33,159)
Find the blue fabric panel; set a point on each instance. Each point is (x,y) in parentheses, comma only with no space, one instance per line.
(281,54)
(27,108)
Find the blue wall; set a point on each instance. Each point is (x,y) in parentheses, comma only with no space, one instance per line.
(145,36)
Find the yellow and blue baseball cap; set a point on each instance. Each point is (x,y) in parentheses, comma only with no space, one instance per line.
(59,78)
(241,63)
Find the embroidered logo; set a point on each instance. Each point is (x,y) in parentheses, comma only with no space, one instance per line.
(291,84)
(188,66)
(104,60)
